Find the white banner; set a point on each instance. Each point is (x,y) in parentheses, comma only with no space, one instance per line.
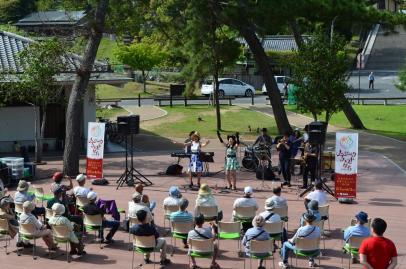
(346,153)
(95,140)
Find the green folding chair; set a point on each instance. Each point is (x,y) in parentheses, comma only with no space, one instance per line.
(261,250)
(352,248)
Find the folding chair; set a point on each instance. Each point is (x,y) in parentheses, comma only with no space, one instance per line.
(324,213)
(143,245)
(5,233)
(308,248)
(61,235)
(320,224)
(352,248)
(230,231)
(40,196)
(131,221)
(210,213)
(18,208)
(283,213)
(275,230)
(27,232)
(180,230)
(201,249)
(80,203)
(93,223)
(48,213)
(245,214)
(261,250)
(169,209)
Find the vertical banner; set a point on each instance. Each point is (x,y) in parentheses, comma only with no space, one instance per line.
(346,165)
(95,150)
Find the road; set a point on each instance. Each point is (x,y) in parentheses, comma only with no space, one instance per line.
(384,87)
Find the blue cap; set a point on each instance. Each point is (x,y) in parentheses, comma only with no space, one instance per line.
(362,217)
(174,191)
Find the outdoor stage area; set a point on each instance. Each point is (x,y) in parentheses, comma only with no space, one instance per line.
(381,192)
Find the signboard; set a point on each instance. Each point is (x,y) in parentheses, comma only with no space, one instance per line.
(346,165)
(95,150)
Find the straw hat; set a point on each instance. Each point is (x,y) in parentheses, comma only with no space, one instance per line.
(204,190)
(23,185)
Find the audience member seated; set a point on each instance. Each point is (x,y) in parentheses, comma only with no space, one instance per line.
(245,201)
(258,233)
(139,188)
(92,209)
(307,231)
(22,196)
(271,217)
(8,213)
(206,198)
(58,177)
(182,215)
(358,230)
(136,205)
(378,252)
(173,198)
(40,229)
(59,198)
(278,199)
(147,229)
(312,208)
(204,233)
(76,245)
(81,190)
(318,194)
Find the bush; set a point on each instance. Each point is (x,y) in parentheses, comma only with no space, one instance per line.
(13,10)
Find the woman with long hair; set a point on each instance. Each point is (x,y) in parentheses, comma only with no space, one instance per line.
(232,165)
(195,165)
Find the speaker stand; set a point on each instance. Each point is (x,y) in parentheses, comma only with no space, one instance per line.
(131,175)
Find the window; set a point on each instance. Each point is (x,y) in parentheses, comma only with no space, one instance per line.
(280,80)
(236,82)
(226,81)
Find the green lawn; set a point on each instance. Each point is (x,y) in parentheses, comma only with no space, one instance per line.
(131,90)
(386,120)
(181,120)
(112,113)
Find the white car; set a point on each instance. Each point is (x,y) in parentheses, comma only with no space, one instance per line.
(281,81)
(228,86)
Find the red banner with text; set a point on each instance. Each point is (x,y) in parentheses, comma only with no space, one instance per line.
(94,168)
(95,150)
(346,186)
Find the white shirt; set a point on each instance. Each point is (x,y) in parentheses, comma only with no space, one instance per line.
(133,208)
(195,146)
(318,195)
(245,202)
(169,201)
(81,191)
(279,201)
(275,217)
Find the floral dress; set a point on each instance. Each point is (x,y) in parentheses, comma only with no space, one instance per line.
(196,165)
(231,160)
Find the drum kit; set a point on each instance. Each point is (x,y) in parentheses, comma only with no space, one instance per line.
(256,155)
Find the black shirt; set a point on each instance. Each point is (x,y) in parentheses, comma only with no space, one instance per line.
(284,153)
(144,230)
(263,139)
(92,209)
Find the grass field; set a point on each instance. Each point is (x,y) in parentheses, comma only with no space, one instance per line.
(379,119)
(181,120)
(131,90)
(111,113)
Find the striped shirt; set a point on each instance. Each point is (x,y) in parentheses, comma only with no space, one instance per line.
(181,216)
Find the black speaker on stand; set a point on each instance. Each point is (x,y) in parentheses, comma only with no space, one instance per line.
(129,126)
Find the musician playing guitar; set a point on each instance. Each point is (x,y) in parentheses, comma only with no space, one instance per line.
(310,159)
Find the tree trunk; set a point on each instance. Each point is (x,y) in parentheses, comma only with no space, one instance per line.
(261,58)
(352,116)
(296,33)
(144,81)
(74,111)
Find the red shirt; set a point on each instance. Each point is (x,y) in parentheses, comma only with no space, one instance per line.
(379,251)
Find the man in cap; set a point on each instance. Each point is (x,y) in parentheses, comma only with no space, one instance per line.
(92,209)
(308,231)
(40,229)
(203,233)
(136,205)
(257,232)
(174,197)
(312,208)
(358,230)
(318,194)
(22,196)
(144,228)
(246,201)
(182,215)
(81,190)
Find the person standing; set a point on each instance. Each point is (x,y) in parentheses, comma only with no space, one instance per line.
(283,148)
(264,139)
(378,252)
(232,164)
(196,165)
(310,158)
(371,79)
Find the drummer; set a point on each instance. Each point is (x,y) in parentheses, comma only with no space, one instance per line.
(264,139)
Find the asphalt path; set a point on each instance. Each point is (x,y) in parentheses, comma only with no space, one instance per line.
(384,87)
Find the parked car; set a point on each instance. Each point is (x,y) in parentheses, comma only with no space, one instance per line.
(282,82)
(228,86)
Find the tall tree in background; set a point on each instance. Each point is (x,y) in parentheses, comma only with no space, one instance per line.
(320,71)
